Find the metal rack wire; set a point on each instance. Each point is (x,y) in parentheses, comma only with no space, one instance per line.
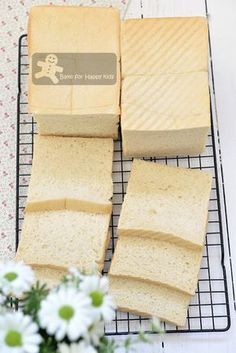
(209,308)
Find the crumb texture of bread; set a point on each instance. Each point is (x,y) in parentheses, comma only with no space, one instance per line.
(88,30)
(166,203)
(85,125)
(73,173)
(149,300)
(165,104)
(50,276)
(62,239)
(161,234)
(157,261)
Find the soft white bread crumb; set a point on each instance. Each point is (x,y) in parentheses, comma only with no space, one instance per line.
(61,239)
(84,125)
(50,276)
(149,299)
(72,173)
(166,203)
(157,261)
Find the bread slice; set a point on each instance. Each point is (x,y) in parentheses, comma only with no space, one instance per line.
(49,276)
(166,203)
(88,126)
(61,239)
(78,108)
(165,115)
(153,46)
(147,299)
(157,261)
(71,173)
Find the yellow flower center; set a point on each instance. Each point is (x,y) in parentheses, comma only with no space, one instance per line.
(13,339)
(66,312)
(97,298)
(11,276)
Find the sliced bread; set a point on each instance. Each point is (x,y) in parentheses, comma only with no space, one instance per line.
(61,239)
(95,125)
(157,261)
(147,299)
(50,276)
(166,203)
(71,173)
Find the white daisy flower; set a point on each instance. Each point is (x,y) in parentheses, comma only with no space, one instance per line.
(65,312)
(94,333)
(97,288)
(76,273)
(73,278)
(18,334)
(15,278)
(81,347)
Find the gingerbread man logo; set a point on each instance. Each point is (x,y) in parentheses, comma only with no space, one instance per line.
(49,68)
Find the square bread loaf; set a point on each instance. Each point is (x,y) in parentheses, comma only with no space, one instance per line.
(71,173)
(165,115)
(149,299)
(166,203)
(153,46)
(157,261)
(165,106)
(62,239)
(74,109)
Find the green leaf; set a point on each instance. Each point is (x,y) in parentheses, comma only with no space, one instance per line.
(128,344)
(31,302)
(143,337)
(107,346)
(49,345)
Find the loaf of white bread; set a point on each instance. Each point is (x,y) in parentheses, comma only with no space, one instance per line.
(74,110)
(165,96)
(68,208)
(71,173)
(161,235)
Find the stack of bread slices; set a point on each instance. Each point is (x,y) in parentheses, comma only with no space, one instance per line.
(161,231)
(68,209)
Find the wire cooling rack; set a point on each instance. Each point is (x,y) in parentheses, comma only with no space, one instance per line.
(209,308)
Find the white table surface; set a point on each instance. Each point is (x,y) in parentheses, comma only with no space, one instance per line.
(222,21)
